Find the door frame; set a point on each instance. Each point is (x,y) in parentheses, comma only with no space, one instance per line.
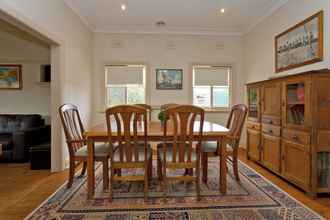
(57,45)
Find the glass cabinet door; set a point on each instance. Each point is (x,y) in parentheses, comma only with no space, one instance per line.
(253,102)
(296,110)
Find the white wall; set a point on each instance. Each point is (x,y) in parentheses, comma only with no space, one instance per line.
(72,59)
(259,43)
(153,51)
(16,49)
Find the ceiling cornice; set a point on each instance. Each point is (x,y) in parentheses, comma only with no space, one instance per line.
(271,11)
(169,32)
(80,16)
(174,31)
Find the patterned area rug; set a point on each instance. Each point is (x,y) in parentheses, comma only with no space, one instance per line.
(252,198)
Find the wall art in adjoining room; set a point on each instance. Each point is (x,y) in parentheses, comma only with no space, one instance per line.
(10,76)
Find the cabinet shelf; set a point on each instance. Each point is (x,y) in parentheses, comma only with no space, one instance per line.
(296,103)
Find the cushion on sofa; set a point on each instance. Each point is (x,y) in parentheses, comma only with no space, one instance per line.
(19,132)
(6,142)
(12,123)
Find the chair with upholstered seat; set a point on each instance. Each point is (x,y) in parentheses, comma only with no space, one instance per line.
(128,137)
(183,152)
(235,125)
(74,130)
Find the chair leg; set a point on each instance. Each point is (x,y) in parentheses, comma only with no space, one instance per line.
(84,168)
(111,183)
(204,167)
(146,178)
(150,168)
(198,189)
(235,164)
(71,173)
(159,169)
(165,181)
(106,174)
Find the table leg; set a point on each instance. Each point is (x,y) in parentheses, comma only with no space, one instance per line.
(223,168)
(90,170)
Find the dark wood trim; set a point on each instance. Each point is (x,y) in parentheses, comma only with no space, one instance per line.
(279,78)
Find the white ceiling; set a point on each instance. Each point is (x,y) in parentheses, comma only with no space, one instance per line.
(181,16)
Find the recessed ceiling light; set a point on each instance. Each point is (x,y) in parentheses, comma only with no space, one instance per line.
(222,10)
(160,23)
(123,7)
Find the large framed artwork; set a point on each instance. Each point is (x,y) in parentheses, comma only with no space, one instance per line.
(300,45)
(169,79)
(10,76)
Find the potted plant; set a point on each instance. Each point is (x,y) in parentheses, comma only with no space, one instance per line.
(161,117)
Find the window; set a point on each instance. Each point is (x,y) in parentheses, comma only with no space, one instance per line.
(125,84)
(211,86)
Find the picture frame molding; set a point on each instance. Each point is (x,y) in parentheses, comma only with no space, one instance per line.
(320,16)
(20,83)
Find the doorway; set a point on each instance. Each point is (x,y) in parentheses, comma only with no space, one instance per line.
(32,31)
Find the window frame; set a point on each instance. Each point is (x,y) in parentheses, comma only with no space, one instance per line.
(125,86)
(213,108)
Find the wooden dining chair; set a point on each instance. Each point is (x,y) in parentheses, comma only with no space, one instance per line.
(235,125)
(76,142)
(167,105)
(148,108)
(162,109)
(125,143)
(183,151)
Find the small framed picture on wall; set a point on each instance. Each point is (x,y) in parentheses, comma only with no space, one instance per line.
(169,79)
(10,76)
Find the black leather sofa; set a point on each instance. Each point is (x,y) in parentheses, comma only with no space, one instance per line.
(18,133)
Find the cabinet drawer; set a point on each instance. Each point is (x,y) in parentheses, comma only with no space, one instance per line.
(271,129)
(253,125)
(273,120)
(299,137)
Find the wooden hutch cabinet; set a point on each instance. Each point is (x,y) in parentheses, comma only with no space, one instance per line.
(288,128)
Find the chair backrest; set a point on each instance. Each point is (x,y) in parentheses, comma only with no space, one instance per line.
(183,118)
(148,108)
(235,122)
(168,105)
(73,127)
(123,120)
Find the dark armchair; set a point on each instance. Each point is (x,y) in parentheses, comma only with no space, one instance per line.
(18,133)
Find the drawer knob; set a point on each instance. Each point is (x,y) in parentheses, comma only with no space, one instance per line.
(270,131)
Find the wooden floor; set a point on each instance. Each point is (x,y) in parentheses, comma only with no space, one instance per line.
(22,190)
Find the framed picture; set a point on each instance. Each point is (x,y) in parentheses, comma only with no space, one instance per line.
(169,79)
(10,76)
(300,45)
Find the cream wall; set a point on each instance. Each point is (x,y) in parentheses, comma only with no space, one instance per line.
(165,51)
(82,53)
(71,57)
(259,43)
(16,49)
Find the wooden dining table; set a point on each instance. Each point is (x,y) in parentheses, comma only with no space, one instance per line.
(211,132)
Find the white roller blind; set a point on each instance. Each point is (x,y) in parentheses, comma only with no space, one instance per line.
(211,76)
(121,75)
